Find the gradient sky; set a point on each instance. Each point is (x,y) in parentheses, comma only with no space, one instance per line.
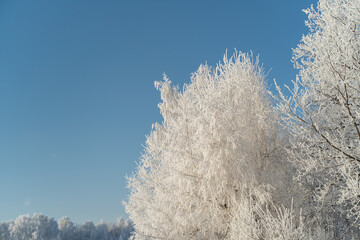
(77,95)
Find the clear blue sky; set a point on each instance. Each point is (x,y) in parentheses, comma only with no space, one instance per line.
(77,95)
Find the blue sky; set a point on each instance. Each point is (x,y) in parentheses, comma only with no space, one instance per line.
(77,95)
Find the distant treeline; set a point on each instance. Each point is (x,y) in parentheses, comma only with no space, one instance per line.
(40,227)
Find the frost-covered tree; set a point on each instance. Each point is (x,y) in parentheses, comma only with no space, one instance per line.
(67,229)
(46,228)
(5,231)
(216,149)
(37,227)
(121,231)
(101,231)
(323,116)
(86,230)
(22,228)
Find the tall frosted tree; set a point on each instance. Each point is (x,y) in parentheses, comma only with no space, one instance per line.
(213,160)
(323,115)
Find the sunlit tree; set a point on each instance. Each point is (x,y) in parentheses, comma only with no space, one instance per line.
(323,116)
(216,149)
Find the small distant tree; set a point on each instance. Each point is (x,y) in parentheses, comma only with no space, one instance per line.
(67,230)
(86,230)
(22,228)
(323,116)
(37,227)
(101,231)
(46,228)
(124,228)
(5,231)
(216,151)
